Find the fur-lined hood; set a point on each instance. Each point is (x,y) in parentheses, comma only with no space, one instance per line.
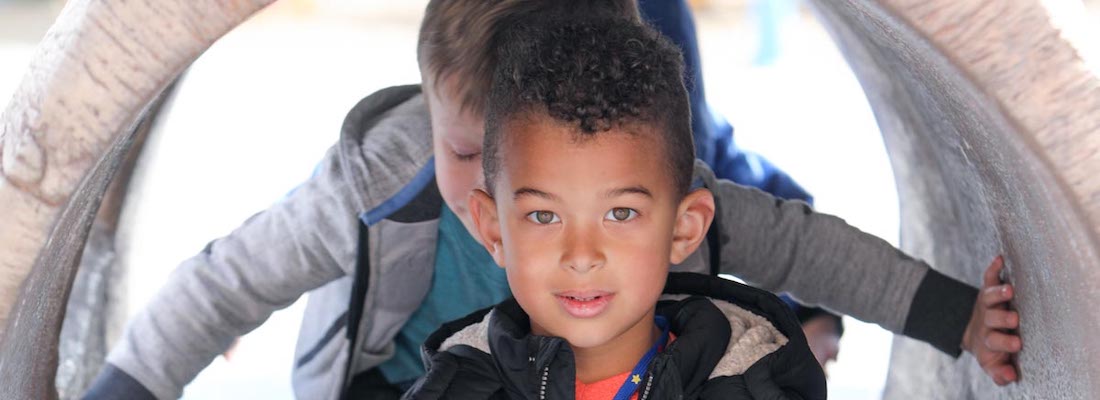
(732,342)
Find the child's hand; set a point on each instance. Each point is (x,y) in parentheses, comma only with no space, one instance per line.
(989,336)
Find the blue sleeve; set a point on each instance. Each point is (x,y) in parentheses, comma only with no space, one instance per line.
(714,142)
(673,19)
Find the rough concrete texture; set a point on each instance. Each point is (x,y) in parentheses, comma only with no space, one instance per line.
(99,66)
(94,308)
(992,122)
(62,137)
(83,343)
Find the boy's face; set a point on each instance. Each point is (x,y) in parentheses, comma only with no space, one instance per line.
(587,229)
(821,335)
(456,141)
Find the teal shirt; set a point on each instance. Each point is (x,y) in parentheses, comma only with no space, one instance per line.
(465,280)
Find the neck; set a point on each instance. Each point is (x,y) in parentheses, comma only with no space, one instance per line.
(618,355)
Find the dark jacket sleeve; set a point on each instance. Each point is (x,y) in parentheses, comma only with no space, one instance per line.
(471,375)
(115,384)
(940,312)
(783,375)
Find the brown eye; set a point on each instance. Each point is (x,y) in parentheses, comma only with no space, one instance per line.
(543,217)
(621,214)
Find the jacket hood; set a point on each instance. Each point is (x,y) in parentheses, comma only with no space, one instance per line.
(724,330)
(750,336)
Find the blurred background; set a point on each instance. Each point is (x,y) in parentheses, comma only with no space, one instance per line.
(266,101)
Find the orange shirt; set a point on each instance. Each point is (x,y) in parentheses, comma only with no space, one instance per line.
(606,389)
(602,390)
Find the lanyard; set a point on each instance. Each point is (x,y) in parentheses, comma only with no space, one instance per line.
(635,378)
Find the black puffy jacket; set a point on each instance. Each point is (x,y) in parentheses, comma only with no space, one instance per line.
(732,342)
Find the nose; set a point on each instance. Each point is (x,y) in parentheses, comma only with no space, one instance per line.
(582,249)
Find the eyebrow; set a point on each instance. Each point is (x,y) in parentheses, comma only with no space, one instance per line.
(639,190)
(526,191)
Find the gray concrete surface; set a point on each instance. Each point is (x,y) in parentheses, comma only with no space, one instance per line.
(991,121)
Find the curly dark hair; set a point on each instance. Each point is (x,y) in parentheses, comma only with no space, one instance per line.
(595,74)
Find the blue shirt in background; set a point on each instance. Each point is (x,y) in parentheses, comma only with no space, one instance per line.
(465,279)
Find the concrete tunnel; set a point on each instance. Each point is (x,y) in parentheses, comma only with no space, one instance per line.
(990,111)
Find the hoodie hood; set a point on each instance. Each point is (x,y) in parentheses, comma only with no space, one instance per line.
(751,337)
(724,331)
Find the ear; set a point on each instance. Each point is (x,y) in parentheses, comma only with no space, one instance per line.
(693,218)
(483,210)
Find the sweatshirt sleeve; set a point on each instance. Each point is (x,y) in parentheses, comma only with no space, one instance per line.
(231,287)
(785,246)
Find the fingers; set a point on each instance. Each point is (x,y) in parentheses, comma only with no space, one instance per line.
(1001,319)
(1003,342)
(992,275)
(1002,374)
(994,353)
(995,295)
(997,360)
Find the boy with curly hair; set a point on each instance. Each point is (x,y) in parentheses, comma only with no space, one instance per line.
(588,201)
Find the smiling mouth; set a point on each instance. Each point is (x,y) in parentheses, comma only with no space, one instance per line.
(584,304)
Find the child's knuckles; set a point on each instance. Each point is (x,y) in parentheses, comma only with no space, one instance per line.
(994,342)
(989,297)
(995,295)
(991,319)
(1001,319)
(993,373)
(993,273)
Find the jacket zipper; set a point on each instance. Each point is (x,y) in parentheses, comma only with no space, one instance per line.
(357,304)
(648,385)
(542,387)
